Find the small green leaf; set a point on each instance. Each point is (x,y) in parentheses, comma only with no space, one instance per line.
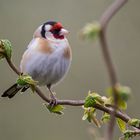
(108,101)
(95,120)
(109,91)
(89,101)
(128,134)
(123,91)
(105,118)
(134,122)
(89,118)
(85,116)
(88,111)
(55,109)
(24,80)
(97,97)
(21,81)
(32,88)
(91,30)
(121,125)
(92,99)
(122,104)
(5,49)
(90,115)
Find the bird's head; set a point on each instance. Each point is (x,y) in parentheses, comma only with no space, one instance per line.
(51,29)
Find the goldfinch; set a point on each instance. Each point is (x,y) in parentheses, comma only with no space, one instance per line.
(47,58)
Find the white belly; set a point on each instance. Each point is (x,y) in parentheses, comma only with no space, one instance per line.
(46,69)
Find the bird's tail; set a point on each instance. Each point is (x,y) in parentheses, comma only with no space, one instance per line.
(11,92)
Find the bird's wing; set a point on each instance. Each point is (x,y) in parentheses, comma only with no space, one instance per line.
(10,92)
(36,45)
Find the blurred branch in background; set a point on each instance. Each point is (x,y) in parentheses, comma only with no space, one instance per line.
(104,21)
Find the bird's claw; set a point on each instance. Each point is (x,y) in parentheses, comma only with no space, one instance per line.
(53,102)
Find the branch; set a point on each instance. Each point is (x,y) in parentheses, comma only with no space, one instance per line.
(111,11)
(104,21)
(13,67)
(108,110)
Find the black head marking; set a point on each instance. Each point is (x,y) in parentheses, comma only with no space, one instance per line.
(50,23)
(43,27)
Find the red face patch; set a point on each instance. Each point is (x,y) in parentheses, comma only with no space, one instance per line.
(58,25)
(55,30)
(58,36)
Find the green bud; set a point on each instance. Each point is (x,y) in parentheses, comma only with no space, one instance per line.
(121,124)
(92,99)
(57,109)
(128,134)
(91,30)
(90,115)
(134,122)
(105,118)
(24,80)
(5,49)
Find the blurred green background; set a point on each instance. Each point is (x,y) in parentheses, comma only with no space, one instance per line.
(24,117)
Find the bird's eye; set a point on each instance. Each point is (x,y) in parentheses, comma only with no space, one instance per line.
(55,31)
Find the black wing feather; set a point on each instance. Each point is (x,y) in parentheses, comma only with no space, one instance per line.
(11,91)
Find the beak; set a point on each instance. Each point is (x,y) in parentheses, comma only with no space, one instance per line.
(64,32)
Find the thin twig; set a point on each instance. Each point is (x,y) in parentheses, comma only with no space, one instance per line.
(108,110)
(105,18)
(12,66)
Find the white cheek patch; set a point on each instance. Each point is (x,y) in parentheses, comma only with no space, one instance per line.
(37,32)
(48,27)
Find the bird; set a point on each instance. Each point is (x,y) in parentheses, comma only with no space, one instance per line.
(47,58)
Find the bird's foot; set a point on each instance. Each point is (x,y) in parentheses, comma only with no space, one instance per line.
(53,100)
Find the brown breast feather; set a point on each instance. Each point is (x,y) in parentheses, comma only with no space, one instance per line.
(43,46)
(67,52)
